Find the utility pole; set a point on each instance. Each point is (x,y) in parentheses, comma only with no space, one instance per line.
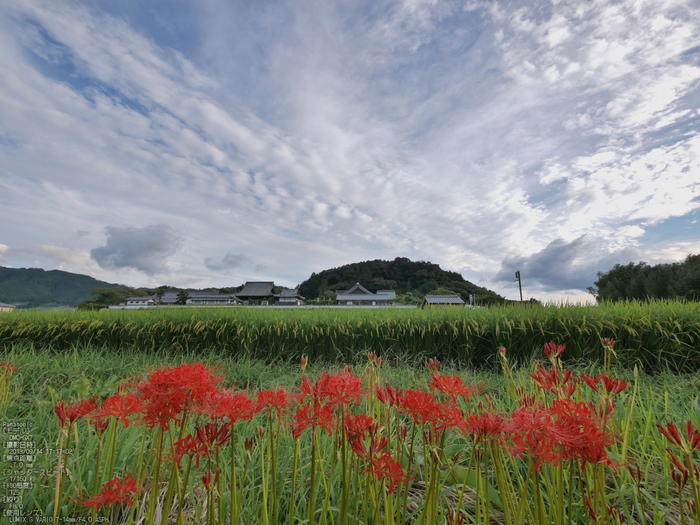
(520,285)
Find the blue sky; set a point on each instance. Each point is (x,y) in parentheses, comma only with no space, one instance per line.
(208,143)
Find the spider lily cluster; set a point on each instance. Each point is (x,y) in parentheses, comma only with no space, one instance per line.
(349,448)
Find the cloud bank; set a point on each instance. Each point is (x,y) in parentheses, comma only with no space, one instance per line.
(144,249)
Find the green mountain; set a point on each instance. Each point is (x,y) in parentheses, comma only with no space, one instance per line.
(402,275)
(28,287)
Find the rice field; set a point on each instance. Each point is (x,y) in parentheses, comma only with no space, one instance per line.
(655,335)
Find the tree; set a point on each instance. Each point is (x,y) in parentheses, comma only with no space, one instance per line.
(182,297)
(105,297)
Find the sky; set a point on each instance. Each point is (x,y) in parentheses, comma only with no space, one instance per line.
(208,143)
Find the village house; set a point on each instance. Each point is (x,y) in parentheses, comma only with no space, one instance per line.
(6,307)
(290,298)
(358,295)
(263,291)
(442,300)
(213,299)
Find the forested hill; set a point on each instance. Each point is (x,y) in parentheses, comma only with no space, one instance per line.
(26,287)
(640,281)
(401,275)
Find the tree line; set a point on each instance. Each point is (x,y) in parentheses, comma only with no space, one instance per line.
(642,282)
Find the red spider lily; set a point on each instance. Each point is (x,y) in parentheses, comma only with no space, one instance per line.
(168,392)
(212,435)
(342,388)
(555,381)
(387,467)
(672,434)
(389,396)
(580,432)
(304,361)
(485,426)
(191,446)
(679,478)
(453,387)
(455,519)
(7,368)
(358,425)
(552,350)
(308,391)
(693,437)
(433,365)
(114,491)
(317,415)
(529,427)
(447,416)
(677,462)
(607,342)
(118,406)
(420,406)
(611,385)
(377,445)
(592,381)
(688,445)
(269,399)
(591,510)
(208,478)
(71,413)
(617,515)
(502,351)
(233,406)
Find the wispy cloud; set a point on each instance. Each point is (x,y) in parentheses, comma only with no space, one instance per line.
(478,135)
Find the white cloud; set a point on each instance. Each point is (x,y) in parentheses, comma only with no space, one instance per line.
(459,133)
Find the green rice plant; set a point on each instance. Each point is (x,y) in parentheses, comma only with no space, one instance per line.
(653,335)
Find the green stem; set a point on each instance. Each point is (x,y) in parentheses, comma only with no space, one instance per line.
(58,496)
(233,476)
(292,503)
(96,484)
(312,491)
(156,478)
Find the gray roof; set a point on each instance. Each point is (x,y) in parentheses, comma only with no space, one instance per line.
(443,299)
(212,295)
(142,298)
(290,293)
(257,289)
(357,290)
(7,305)
(362,297)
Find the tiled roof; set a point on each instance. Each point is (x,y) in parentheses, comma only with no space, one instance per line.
(7,305)
(257,289)
(362,297)
(443,299)
(212,295)
(358,289)
(290,293)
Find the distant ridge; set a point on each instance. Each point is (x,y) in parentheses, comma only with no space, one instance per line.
(29,287)
(401,275)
